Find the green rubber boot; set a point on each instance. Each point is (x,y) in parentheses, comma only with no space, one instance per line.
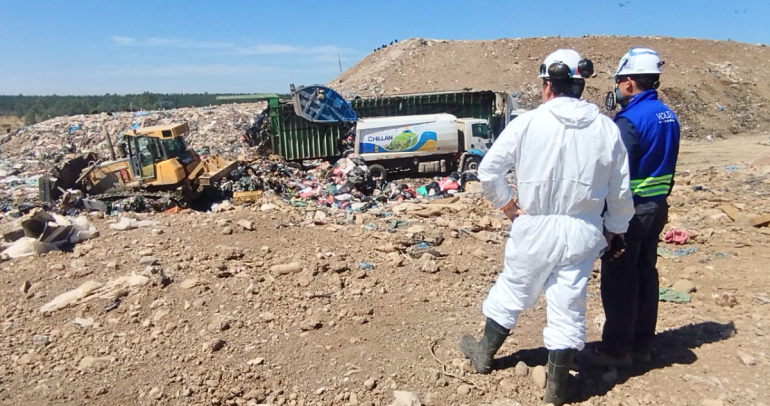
(482,353)
(556,391)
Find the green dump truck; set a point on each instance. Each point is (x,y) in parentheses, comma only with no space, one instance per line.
(295,137)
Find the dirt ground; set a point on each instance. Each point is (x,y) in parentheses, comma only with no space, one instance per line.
(216,325)
(721,153)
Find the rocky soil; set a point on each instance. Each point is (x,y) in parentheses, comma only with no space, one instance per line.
(268,304)
(717,88)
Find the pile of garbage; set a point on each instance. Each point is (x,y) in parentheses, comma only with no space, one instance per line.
(347,185)
(34,164)
(18,188)
(214,129)
(33,151)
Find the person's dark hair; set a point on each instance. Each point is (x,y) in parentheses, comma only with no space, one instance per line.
(567,87)
(643,82)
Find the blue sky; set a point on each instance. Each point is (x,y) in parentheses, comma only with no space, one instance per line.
(97,47)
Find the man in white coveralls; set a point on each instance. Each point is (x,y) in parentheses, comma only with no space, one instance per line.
(569,160)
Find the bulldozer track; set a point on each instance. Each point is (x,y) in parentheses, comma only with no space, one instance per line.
(115,195)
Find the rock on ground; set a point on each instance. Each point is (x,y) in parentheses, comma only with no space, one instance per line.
(539,376)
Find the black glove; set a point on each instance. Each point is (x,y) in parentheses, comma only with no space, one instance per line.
(618,244)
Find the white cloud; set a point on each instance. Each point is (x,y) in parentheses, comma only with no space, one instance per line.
(192,70)
(329,49)
(175,78)
(211,70)
(162,42)
(257,49)
(169,42)
(180,43)
(123,40)
(267,49)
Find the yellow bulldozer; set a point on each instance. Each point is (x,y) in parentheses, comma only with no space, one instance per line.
(154,159)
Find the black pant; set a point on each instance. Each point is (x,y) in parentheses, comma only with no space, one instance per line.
(630,284)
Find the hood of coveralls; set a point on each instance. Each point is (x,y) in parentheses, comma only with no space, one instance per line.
(572,112)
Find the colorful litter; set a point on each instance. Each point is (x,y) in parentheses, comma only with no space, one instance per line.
(675,236)
(677,253)
(671,295)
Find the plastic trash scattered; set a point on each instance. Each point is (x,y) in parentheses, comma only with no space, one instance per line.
(762,299)
(365,266)
(27,246)
(677,253)
(127,223)
(671,295)
(71,297)
(112,290)
(45,232)
(675,236)
(399,223)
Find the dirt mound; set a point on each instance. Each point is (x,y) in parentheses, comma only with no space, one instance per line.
(716,87)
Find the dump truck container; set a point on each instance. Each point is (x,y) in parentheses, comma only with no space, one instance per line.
(295,138)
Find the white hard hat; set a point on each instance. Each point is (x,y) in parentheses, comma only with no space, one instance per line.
(569,57)
(639,61)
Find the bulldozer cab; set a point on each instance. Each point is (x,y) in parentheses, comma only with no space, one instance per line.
(149,145)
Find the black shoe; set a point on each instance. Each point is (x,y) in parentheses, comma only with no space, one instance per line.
(601,358)
(482,353)
(642,353)
(556,391)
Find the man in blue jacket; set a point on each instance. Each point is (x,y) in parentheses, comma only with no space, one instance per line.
(629,285)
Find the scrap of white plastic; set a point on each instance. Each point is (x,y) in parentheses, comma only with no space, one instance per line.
(92,289)
(71,297)
(127,223)
(82,230)
(25,247)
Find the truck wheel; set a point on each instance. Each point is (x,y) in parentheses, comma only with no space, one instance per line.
(472,163)
(378,172)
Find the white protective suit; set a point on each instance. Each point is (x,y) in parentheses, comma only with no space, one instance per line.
(569,159)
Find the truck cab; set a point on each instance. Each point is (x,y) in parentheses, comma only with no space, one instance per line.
(429,143)
(474,135)
(158,154)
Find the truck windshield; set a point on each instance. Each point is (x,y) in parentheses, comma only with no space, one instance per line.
(480,130)
(174,147)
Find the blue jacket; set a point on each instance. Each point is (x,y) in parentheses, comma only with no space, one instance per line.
(650,131)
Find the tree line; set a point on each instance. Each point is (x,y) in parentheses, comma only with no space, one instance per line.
(39,108)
